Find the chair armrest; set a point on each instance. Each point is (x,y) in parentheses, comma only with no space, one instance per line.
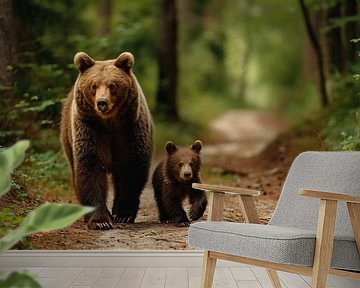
(216,201)
(330,196)
(226,189)
(353,205)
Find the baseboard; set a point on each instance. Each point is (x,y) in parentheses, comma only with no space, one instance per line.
(105,258)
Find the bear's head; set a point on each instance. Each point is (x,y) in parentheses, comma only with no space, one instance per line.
(106,88)
(183,163)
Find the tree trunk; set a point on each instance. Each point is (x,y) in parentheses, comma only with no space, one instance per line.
(316,45)
(333,41)
(350,31)
(167,60)
(6,47)
(104,13)
(216,40)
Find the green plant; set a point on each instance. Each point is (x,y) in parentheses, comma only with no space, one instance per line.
(47,217)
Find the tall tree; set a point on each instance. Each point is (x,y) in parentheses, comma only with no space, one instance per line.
(317,47)
(166,103)
(105,12)
(6,46)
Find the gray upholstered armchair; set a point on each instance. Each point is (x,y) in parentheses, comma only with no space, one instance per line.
(310,232)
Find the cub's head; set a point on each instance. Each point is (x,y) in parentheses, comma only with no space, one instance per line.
(183,163)
(105,87)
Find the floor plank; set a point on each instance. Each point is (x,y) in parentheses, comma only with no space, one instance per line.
(263,278)
(308,280)
(112,272)
(248,284)
(65,278)
(177,278)
(194,277)
(293,280)
(340,282)
(154,278)
(224,278)
(108,282)
(87,277)
(50,272)
(243,273)
(132,277)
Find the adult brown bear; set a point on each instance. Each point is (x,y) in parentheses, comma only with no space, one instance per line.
(106,128)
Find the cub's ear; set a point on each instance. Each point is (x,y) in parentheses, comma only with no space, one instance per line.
(125,61)
(83,61)
(170,147)
(196,146)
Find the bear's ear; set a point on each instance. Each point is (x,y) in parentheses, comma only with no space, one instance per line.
(196,146)
(170,147)
(125,61)
(83,61)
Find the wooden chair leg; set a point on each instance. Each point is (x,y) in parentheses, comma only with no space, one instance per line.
(208,270)
(354,212)
(324,243)
(248,208)
(274,278)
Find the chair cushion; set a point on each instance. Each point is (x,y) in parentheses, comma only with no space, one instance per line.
(270,243)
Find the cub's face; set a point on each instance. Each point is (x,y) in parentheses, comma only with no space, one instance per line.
(183,163)
(104,85)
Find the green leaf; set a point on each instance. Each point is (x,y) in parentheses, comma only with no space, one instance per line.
(17,279)
(10,158)
(47,217)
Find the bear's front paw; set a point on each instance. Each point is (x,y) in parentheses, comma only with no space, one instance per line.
(100,220)
(195,215)
(180,221)
(183,224)
(100,225)
(124,219)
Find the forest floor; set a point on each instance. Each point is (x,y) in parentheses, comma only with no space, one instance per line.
(249,149)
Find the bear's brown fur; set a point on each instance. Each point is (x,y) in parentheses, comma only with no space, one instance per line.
(172,182)
(106,127)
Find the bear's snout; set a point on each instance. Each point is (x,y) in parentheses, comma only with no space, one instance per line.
(102,105)
(186,172)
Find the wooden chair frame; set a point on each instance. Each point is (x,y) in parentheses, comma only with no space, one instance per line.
(324,235)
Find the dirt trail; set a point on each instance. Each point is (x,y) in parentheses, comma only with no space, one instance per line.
(243,133)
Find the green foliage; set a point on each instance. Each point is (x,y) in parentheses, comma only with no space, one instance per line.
(45,173)
(342,119)
(45,218)
(342,129)
(20,280)
(9,159)
(8,220)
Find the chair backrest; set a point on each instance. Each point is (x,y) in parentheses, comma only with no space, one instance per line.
(325,171)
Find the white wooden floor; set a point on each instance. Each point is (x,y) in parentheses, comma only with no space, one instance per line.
(144,270)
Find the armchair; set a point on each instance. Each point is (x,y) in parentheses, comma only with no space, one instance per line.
(312,231)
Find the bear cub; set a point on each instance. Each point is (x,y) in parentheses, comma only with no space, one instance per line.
(172,181)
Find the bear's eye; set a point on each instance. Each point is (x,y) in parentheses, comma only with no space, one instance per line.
(112,86)
(190,163)
(93,86)
(181,163)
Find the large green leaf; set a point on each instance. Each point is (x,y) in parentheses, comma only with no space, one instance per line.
(10,158)
(47,217)
(20,280)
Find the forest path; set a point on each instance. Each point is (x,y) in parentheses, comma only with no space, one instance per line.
(240,133)
(243,133)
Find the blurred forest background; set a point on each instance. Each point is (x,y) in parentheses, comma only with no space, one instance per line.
(194,59)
